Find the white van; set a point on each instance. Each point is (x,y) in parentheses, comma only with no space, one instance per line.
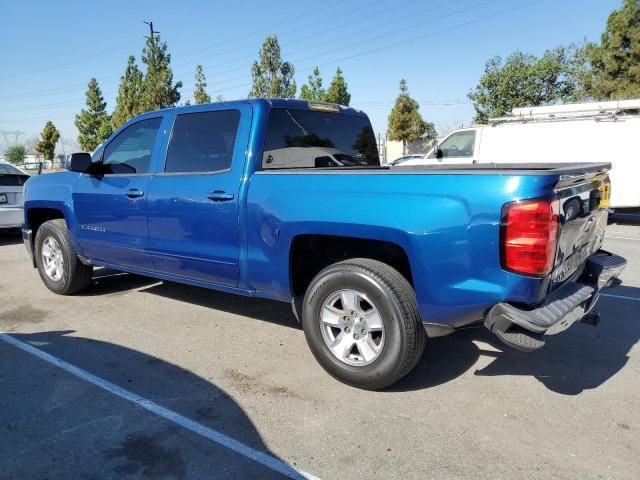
(587,132)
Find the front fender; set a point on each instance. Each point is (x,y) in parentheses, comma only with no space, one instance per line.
(53,191)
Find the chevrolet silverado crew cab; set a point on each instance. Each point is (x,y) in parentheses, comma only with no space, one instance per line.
(287,200)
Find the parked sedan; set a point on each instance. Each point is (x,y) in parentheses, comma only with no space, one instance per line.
(12,181)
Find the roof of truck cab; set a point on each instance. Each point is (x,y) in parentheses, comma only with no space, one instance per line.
(290,103)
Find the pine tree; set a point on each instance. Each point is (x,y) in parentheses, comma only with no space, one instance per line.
(405,122)
(337,92)
(615,63)
(94,123)
(129,100)
(200,94)
(48,139)
(313,90)
(271,76)
(158,89)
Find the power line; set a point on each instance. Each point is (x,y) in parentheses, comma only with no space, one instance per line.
(395,44)
(271,27)
(368,40)
(403,42)
(116,79)
(101,39)
(351,34)
(74,87)
(303,27)
(93,56)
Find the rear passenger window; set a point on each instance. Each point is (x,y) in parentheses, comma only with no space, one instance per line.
(202,142)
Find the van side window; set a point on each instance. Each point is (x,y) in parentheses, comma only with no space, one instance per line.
(202,142)
(459,144)
(130,152)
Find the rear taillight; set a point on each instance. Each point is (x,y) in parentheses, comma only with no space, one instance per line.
(529,236)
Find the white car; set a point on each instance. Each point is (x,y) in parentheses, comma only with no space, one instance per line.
(12,181)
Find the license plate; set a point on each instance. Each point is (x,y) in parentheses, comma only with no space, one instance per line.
(3,198)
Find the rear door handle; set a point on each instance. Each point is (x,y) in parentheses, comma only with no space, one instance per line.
(134,193)
(220,196)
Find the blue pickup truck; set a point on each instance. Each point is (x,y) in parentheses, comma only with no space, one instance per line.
(287,200)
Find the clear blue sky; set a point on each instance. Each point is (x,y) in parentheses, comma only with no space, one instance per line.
(51,49)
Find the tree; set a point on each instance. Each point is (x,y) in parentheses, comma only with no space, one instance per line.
(94,123)
(430,132)
(615,62)
(405,122)
(271,76)
(523,80)
(200,94)
(337,92)
(15,154)
(578,71)
(129,100)
(313,90)
(48,139)
(158,89)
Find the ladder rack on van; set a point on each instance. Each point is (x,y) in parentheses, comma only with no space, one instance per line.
(572,111)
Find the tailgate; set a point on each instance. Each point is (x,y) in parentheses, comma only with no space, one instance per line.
(583,216)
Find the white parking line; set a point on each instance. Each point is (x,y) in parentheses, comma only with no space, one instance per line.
(623,297)
(621,238)
(262,458)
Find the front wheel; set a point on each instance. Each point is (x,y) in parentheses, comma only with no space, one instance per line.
(362,324)
(60,268)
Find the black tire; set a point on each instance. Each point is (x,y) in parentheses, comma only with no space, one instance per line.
(405,337)
(76,275)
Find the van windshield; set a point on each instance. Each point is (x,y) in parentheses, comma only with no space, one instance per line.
(313,139)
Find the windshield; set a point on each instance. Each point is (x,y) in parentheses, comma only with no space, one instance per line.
(313,139)
(6,168)
(399,160)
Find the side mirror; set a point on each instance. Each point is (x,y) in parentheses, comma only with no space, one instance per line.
(439,153)
(79,162)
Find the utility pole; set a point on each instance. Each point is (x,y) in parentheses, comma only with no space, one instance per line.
(152,32)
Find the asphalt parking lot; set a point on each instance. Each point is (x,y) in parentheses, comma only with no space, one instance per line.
(147,379)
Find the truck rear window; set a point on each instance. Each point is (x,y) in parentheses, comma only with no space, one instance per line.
(313,139)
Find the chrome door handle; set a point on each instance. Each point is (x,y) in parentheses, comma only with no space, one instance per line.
(134,193)
(220,196)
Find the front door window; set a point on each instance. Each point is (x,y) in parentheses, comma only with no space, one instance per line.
(130,152)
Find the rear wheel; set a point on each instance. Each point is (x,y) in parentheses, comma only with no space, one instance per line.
(60,268)
(362,324)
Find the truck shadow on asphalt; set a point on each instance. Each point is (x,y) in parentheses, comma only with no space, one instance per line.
(10,237)
(110,282)
(582,358)
(59,426)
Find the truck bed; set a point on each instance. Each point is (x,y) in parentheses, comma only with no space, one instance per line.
(561,169)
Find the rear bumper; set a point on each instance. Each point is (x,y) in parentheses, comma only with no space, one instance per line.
(525,329)
(11,216)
